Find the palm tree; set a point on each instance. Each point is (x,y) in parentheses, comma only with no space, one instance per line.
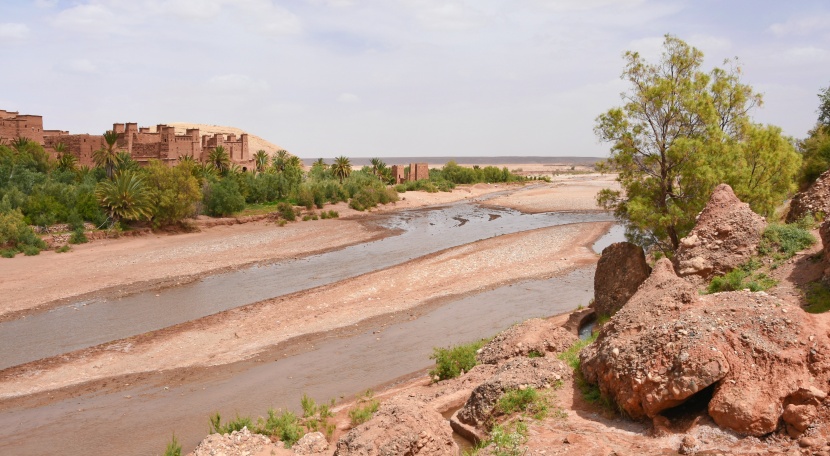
(20,143)
(261,160)
(187,159)
(66,161)
(280,160)
(107,157)
(319,162)
(125,197)
(375,165)
(220,159)
(341,167)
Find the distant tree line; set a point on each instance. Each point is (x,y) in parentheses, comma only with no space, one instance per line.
(37,190)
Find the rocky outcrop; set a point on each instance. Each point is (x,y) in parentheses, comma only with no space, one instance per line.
(237,443)
(620,271)
(520,372)
(535,335)
(811,201)
(313,442)
(753,353)
(402,426)
(726,235)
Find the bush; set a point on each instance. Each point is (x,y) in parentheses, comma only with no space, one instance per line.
(223,198)
(16,235)
(286,210)
(78,236)
(216,426)
(8,253)
(450,362)
(818,298)
(63,249)
(173,448)
(366,408)
(520,400)
(284,426)
(784,241)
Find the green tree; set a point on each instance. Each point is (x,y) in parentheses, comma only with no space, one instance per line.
(125,197)
(261,160)
(341,168)
(815,152)
(220,159)
(824,107)
(174,191)
(107,156)
(66,161)
(223,198)
(680,132)
(280,160)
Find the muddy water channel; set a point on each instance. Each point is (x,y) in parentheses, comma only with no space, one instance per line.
(92,322)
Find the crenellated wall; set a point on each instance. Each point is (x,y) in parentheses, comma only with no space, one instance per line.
(142,144)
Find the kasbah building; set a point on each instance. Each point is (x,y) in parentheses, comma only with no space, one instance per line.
(142,144)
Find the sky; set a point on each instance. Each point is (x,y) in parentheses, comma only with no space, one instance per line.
(363,78)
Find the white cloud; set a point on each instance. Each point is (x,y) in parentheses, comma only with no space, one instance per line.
(348,98)
(586,5)
(237,83)
(92,18)
(45,4)
(801,26)
(84,66)
(13,32)
(444,15)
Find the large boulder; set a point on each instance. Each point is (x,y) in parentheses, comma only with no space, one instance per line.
(536,335)
(726,235)
(402,426)
(620,271)
(520,372)
(752,352)
(811,201)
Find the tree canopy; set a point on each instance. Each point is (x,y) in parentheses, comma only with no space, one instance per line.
(680,132)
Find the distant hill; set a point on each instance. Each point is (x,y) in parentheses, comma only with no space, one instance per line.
(255,143)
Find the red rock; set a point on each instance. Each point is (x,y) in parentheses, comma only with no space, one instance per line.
(620,271)
(726,235)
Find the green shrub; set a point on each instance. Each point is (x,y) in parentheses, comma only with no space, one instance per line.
(306,217)
(286,210)
(535,354)
(78,236)
(366,408)
(818,297)
(30,250)
(450,362)
(216,426)
(63,249)
(784,241)
(571,355)
(522,400)
(8,253)
(285,426)
(333,214)
(223,198)
(173,448)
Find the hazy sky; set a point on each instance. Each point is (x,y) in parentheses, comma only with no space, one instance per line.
(390,77)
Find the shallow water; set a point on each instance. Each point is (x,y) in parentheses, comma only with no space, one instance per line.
(92,322)
(140,419)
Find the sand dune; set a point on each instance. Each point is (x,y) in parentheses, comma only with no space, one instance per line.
(255,143)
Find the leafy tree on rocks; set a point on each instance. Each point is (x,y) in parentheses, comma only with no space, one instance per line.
(680,132)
